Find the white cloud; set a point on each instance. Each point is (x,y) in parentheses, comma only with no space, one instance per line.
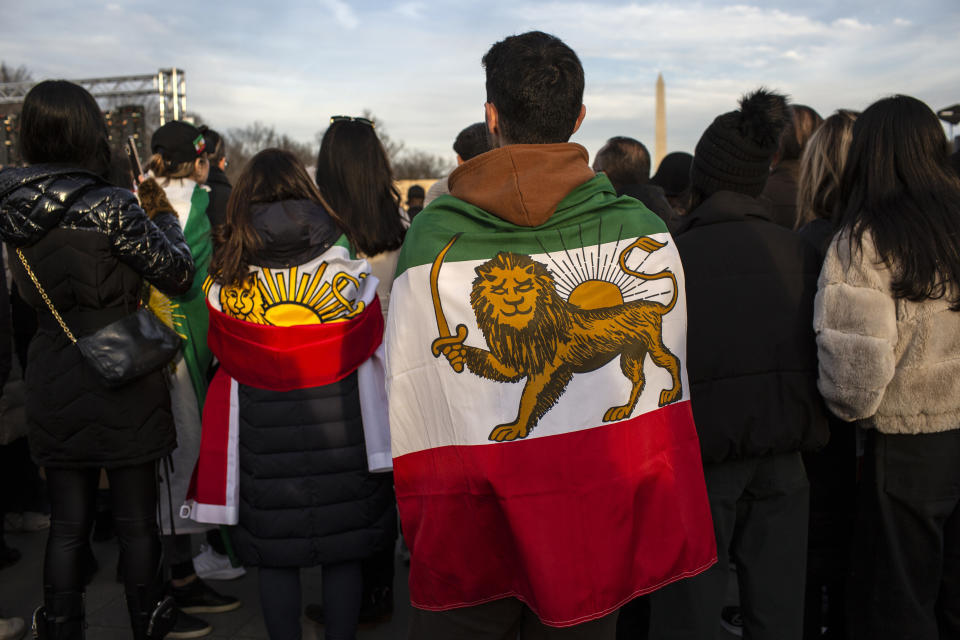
(342,13)
(412,10)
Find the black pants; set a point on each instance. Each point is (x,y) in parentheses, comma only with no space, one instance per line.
(906,564)
(506,619)
(759,509)
(280,599)
(73,503)
(833,499)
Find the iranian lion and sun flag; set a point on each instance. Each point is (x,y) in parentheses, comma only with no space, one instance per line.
(283,329)
(543,441)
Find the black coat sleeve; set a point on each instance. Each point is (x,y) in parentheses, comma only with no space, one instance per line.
(156,249)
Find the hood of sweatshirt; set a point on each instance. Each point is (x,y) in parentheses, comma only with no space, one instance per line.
(522,183)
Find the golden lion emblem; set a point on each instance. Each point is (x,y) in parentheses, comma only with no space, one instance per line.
(534,333)
(243,301)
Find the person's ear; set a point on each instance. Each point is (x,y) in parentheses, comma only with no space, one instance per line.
(492,118)
(459,160)
(583,113)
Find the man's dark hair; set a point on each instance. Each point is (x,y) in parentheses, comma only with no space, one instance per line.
(536,83)
(472,141)
(625,161)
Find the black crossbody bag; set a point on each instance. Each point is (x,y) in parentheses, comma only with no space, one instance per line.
(124,350)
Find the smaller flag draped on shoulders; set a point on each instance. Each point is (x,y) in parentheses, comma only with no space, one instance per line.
(283,329)
(543,442)
(299,327)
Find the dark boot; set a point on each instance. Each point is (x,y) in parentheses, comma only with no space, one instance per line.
(152,614)
(61,617)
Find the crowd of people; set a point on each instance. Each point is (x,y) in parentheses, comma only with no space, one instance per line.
(478,365)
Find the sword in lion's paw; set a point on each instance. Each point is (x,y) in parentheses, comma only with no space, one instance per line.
(446,341)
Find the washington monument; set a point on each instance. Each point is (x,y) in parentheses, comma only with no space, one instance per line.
(660,145)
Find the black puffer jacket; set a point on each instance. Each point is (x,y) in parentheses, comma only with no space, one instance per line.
(90,246)
(751,354)
(306,496)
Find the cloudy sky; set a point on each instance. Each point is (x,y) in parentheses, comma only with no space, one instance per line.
(416,65)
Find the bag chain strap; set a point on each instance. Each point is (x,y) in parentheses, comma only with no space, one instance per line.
(43,294)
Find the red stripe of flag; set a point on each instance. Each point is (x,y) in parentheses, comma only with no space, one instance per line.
(575,525)
(294,357)
(211,488)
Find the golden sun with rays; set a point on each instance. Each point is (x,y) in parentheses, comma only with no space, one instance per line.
(590,277)
(167,310)
(290,298)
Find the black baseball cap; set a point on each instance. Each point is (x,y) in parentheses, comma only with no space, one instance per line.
(178,141)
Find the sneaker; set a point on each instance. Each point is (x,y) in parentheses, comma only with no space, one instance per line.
(376,608)
(731,620)
(26,522)
(211,565)
(12,628)
(198,597)
(189,627)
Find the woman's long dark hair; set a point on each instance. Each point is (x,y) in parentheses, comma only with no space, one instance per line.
(272,175)
(61,123)
(898,185)
(354,175)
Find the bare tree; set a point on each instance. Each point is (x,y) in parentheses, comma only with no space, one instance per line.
(415,165)
(243,143)
(10,74)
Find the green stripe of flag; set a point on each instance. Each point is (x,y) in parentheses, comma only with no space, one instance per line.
(344,242)
(591,214)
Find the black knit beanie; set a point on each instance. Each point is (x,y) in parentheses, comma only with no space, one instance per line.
(735,151)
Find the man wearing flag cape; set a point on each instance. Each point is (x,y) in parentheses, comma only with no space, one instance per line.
(546,462)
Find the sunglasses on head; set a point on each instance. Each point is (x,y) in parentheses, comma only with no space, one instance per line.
(366,121)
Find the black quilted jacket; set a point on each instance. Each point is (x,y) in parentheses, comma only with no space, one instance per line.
(306,496)
(90,246)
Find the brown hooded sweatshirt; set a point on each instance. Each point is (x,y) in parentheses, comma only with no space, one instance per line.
(522,183)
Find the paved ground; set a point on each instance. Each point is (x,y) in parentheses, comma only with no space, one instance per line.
(20,593)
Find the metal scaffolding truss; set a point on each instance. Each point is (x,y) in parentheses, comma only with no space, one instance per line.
(168,85)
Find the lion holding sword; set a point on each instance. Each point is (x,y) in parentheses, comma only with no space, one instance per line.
(533,332)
